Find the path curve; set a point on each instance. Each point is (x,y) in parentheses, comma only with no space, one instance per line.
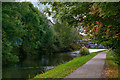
(92,69)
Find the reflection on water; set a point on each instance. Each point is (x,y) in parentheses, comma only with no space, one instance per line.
(32,65)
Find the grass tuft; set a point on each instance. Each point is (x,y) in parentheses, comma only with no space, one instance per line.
(110,68)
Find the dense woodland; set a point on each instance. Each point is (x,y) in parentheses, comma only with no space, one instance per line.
(26,32)
(100,19)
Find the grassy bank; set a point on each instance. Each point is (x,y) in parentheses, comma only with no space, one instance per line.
(111,68)
(64,69)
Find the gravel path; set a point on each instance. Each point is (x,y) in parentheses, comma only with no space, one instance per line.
(92,69)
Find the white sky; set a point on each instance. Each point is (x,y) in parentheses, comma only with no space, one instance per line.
(41,7)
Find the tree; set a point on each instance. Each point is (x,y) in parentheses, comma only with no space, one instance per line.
(102,20)
(65,36)
(25,31)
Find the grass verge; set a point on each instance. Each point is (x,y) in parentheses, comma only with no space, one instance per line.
(111,69)
(64,69)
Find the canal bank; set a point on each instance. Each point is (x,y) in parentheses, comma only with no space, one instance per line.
(64,69)
(34,65)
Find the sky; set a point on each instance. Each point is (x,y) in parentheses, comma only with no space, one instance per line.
(41,8)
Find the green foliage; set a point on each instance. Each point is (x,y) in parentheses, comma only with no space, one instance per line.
(110,57)
(65,36)
(7,57)
(111,67)
(116,54)
(84,51)
(25,30)
(101,20)
(74,46)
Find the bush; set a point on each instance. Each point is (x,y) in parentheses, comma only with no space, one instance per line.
(74,46)
(116,54)
(84,51)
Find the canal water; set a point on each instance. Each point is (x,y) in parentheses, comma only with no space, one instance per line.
(33,65)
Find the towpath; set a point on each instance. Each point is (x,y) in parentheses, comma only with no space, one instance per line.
(92,69)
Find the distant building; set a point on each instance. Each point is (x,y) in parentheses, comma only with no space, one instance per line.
(89,44)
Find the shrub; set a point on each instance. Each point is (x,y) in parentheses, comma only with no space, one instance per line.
(74,46)
(116,54)
(84,51)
